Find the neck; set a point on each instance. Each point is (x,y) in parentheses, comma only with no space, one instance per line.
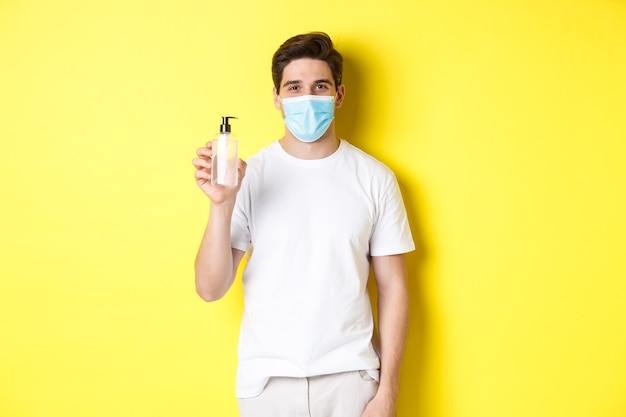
(321,148)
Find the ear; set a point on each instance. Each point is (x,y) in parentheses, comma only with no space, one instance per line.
(277,102)
(341,93)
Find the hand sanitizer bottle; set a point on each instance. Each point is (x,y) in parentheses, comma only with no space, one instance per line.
(224,158)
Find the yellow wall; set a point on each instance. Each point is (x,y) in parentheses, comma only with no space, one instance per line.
(503,120)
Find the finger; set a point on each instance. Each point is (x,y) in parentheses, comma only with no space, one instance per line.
(202,175)
(201,163)
(204,152)
(242,166)
(241,169)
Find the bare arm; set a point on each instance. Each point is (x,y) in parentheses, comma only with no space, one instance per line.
(216,262)
(393,315)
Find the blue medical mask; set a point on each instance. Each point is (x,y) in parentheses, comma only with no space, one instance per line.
(308,117)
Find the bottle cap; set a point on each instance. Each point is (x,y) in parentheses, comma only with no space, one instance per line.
(225,126)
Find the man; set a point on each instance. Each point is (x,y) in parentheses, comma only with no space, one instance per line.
(312,213)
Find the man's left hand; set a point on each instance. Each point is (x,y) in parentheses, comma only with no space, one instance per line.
(380,406)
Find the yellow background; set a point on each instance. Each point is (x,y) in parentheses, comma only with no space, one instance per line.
(505,124)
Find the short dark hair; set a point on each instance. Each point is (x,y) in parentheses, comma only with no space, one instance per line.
(315,45)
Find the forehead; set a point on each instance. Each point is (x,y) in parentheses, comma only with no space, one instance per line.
(307,70)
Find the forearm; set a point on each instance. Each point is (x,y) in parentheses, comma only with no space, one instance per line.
(393,315)
(214,266)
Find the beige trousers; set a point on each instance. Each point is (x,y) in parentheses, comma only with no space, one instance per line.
(337,395)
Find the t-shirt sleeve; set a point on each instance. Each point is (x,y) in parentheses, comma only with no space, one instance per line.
(391,234)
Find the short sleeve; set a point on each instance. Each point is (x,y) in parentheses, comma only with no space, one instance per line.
(240,227)
(391,234)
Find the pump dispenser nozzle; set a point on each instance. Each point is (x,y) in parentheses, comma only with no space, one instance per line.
(225,126)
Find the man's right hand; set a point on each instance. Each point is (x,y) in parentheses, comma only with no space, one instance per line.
(217,193)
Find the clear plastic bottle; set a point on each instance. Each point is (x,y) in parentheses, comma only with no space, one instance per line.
(224,158)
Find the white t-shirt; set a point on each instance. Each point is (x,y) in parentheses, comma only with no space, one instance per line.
(309,228)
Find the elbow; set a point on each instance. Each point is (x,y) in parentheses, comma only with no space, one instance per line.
(211,287)
(208,295)
(209,292)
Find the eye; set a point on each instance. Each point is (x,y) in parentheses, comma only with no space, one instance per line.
(293,88)
(322,87)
